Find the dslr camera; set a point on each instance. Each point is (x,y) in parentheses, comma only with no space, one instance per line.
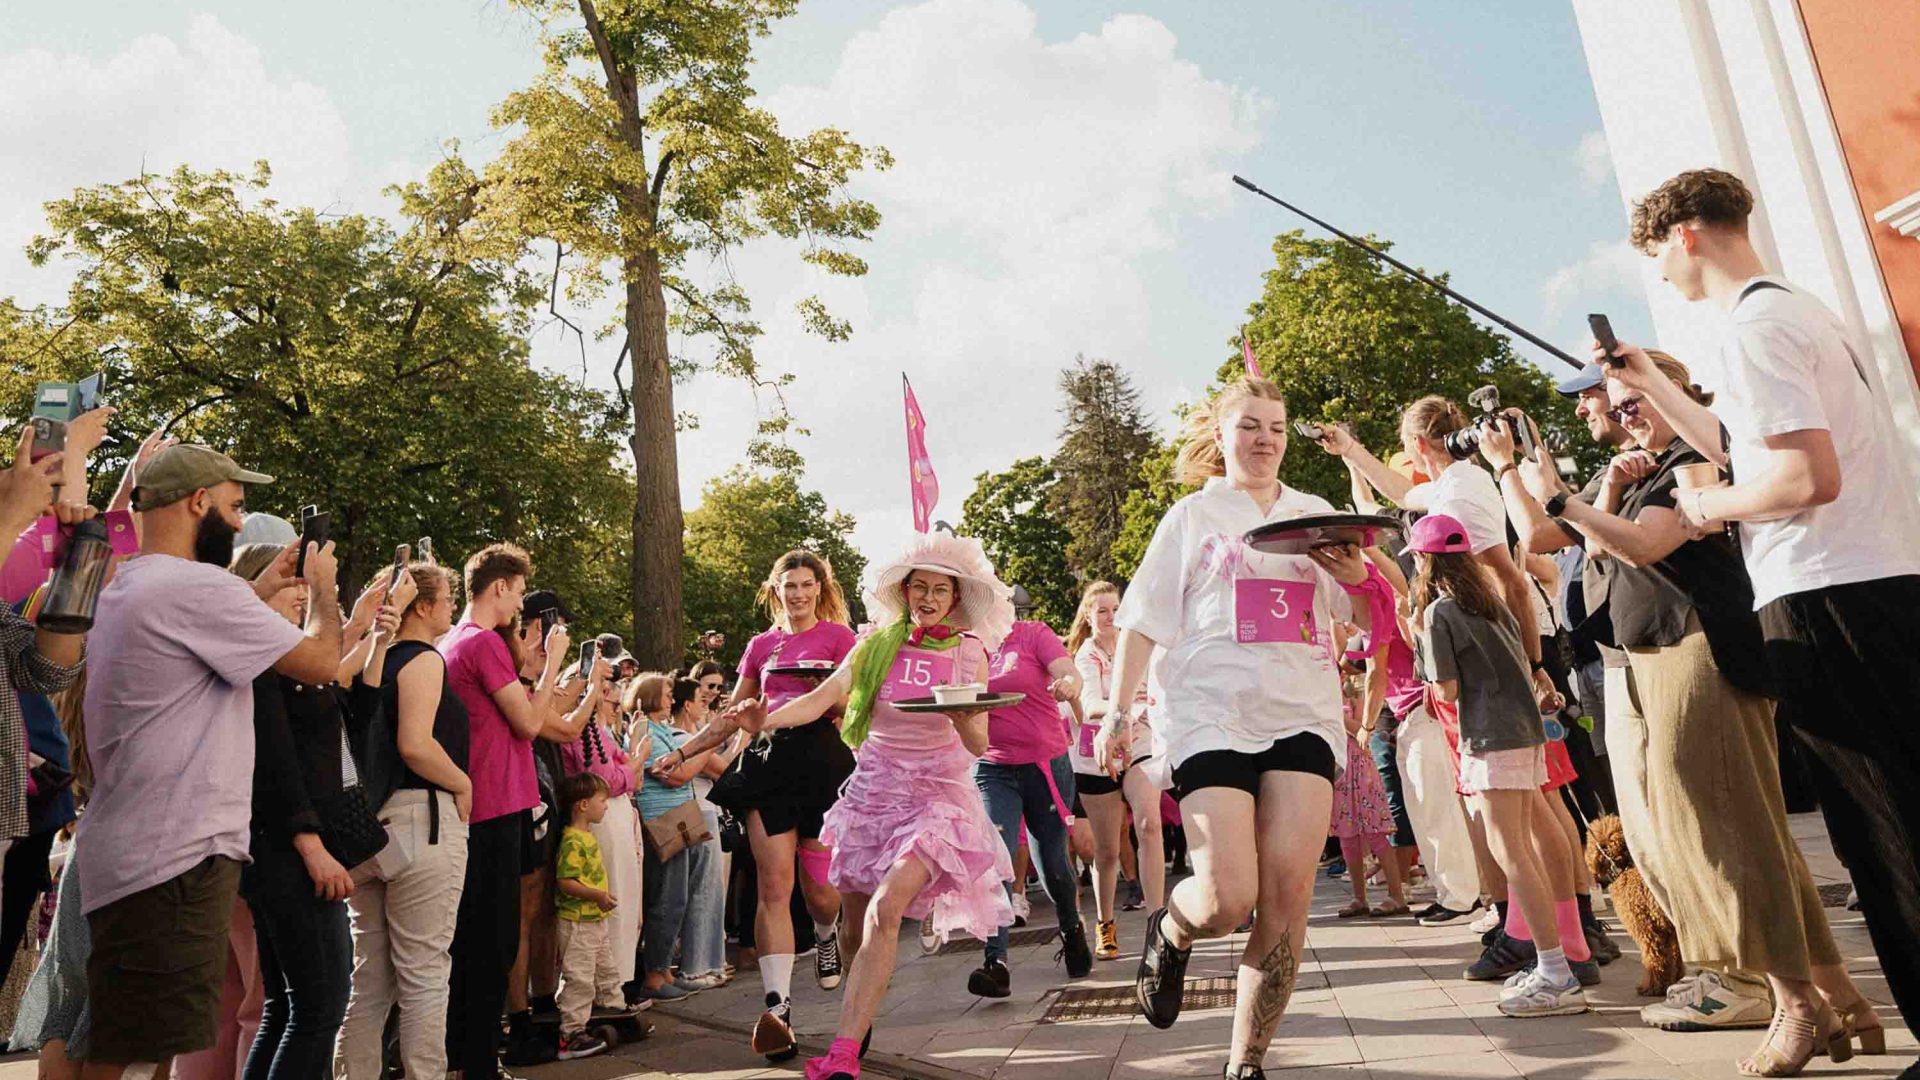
(1465,443)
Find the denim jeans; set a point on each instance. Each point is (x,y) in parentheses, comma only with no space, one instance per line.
(703,937)
(667,887)
(1020,792)
(306,965)
(1382,747)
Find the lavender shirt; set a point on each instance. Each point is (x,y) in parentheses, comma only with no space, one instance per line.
(171,660)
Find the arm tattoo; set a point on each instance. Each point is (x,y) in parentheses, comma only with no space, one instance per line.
(1277,971)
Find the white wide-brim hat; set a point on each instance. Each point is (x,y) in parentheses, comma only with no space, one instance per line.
(985,604)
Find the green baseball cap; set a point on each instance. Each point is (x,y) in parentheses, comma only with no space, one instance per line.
(182,469)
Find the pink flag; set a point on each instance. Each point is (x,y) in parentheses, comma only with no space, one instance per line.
(925,486)
(1246,353)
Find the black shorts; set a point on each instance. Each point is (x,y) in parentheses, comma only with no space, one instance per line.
(806,820)
(1101,783)
(1302,753)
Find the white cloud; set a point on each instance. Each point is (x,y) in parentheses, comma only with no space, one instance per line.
(1037,184)
(1609,265)
(1595,160)
(205,98)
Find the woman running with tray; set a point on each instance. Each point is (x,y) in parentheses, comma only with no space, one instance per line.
(1248,709)
(910,834)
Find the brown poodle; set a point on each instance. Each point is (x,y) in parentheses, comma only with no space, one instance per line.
(1612,866)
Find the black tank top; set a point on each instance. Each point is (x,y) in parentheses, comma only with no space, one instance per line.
(449,720)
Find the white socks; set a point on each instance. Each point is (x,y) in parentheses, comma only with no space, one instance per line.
(1553,966)
(826,931)
(776,974)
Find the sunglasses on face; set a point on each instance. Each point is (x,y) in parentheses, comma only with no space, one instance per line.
(1625,410)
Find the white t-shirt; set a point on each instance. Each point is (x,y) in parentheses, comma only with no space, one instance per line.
(1096,685)
(1246,639)
(1466,492)
(1784,367)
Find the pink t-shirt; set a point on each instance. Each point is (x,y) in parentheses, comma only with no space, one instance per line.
(914,674)
(1031,731)
(500,762)
(777,648)
(595,751)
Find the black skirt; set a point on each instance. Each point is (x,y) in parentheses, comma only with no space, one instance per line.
(792,767)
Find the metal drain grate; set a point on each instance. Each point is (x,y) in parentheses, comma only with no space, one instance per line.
(1015,940)
(1108,1002)
(1835,894)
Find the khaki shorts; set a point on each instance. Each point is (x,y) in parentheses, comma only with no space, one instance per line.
(158,963)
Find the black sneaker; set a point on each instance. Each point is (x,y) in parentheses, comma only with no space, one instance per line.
(866,1041)
(1600,943)
(1074,950)
(991,979)
(1161,983)
(826,963)
(1136,897)
(1587,971)
(1438,914)
(773,1033)
(1500,959)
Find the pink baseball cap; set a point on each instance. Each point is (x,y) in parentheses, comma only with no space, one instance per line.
(1439,534)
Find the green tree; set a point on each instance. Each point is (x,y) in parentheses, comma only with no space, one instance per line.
(1352,341)
(744,522)
(1153,492)
(1009,513)
(382,375)
(637,150)
(1103,440)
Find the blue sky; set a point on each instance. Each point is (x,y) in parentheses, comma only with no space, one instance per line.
(1062,184)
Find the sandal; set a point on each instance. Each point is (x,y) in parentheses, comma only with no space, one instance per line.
(1792,1042)
(1872,1035)
(1356,910)
(1390,910)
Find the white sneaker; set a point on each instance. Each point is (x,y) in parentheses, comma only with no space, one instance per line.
(1488,919)
(1703,1001)
(1536,996)
(929,941)
(1022,908)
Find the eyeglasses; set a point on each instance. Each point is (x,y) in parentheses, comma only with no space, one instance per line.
(1626,409)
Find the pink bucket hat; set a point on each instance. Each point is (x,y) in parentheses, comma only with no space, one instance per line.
(1439,534)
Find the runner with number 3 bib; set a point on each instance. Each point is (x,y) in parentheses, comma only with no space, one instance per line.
(1248,709)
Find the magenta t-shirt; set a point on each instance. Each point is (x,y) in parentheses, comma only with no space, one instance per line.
(500,763)
(596,752)
(777,648)
(1031,731)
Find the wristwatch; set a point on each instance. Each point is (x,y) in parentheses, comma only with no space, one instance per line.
(1557,505)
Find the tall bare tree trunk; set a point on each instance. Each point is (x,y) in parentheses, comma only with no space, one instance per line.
(658,536)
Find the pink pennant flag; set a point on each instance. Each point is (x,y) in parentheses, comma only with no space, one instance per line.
(925,486)
(1246,353)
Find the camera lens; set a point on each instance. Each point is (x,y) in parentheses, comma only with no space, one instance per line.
(1463,444)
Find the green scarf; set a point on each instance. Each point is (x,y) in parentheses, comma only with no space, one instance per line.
(871,660)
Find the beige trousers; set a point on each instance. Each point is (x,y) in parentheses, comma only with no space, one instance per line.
(588,972)
(402,931)
(1697,768)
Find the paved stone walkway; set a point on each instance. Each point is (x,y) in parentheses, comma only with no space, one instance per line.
(1377,998)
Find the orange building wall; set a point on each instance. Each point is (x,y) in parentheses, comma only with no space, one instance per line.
(1869,63)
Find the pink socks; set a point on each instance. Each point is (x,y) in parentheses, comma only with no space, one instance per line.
(1517,920)
(1573,934)
(842,1057)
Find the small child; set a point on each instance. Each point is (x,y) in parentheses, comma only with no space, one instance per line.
(1361,820)
(1468,648)
(589,976)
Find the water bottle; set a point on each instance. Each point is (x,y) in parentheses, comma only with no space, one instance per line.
(75,588)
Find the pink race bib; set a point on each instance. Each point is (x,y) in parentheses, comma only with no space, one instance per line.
(1271,610)
(1087,732)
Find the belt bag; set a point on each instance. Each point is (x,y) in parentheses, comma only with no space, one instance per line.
(676,830)
(349,828)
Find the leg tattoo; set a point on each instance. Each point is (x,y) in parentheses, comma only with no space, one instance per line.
(1179,920)
(1277,971)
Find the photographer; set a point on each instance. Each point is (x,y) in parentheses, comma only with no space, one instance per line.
(32,660)
(1459,489)
(176,645)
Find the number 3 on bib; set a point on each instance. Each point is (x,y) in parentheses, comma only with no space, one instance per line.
(1270,610)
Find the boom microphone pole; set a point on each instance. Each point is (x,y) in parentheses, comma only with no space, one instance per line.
(1505,324)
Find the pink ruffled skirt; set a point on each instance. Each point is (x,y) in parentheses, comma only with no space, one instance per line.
(922,804)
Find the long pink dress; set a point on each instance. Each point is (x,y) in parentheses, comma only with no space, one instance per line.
(912,793)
